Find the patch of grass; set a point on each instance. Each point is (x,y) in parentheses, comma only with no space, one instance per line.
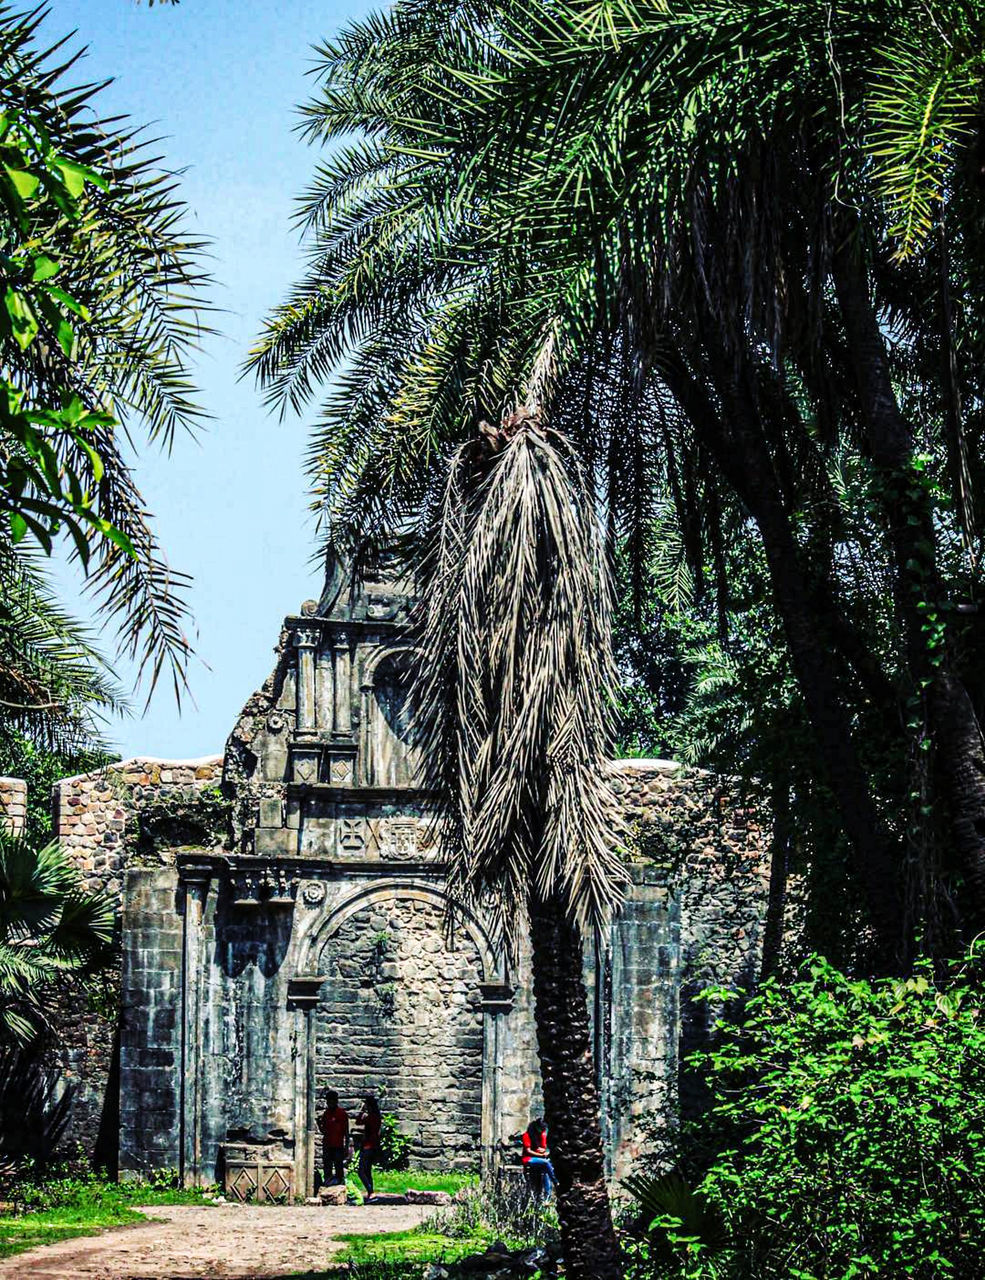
(417,1245)
(396,1182)
(422,1180)
(368,1271)
(29,1230)
(468,1226)
(59,1209)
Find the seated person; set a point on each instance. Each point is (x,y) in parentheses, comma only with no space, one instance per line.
(536,1160)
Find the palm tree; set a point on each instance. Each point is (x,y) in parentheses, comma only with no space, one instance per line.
(518,748)
(102,307)
(659,188)
(54,684)
(693,207)
(513,695)
(49,927)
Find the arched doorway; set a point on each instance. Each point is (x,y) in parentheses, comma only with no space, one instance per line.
(400,1015)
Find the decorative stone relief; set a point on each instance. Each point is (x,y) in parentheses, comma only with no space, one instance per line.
(341,771)
(398,838)
(272,887)
(305,760)
(313,893)
(352,834)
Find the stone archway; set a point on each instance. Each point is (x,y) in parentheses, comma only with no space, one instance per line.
(400,1015)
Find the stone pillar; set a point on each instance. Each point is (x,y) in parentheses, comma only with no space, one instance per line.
(306,641)
(150,1022)
(343,684)
(302,996)
(497,1002)
(637,1019)
(13,805)
(195,878)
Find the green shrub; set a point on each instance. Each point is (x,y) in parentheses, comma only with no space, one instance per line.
(850,1117)
(75,1186)
(394,1145)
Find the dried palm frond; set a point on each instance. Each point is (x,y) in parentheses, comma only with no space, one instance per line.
(515,683)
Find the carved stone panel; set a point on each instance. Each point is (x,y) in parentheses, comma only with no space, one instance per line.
(352,835)
(398,838)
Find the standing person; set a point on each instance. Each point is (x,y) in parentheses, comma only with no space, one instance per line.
(334,1126)
(537,1160)
(370,1122)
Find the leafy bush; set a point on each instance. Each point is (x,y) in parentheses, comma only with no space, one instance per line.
(75,1185)
(501,1211)
(852,1132)
(394,1145)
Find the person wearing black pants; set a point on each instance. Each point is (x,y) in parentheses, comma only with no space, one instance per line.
(370,1122)
(334,1126)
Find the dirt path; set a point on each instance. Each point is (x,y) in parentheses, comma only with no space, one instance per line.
(225,1241)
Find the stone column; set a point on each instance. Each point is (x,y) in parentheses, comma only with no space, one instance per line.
(343,684)
(306,641)
(302,996)
(497,1001)
(195,879)
(13,805)
(638,1018)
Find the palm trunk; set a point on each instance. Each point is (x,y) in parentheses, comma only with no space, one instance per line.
(959,771)
(571,1098)
(742,455)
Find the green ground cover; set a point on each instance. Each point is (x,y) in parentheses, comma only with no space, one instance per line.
(396,1182)
(63,1208)
(421,1244)
(468,1226)
(368,1271)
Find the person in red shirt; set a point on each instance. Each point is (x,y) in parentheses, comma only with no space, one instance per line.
(334,1126)
(536,1159)
(369,1122)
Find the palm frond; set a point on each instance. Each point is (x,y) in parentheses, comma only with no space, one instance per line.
(515,682)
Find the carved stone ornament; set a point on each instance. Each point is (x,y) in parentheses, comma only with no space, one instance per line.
(384,608)
(305,761)
(276,721)
(309,608)
(341,771)
(246,890)
(307,637)
(352,834)
(398,838)
(273,887)
(279,887)
(313,893)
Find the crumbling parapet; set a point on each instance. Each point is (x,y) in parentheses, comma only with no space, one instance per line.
(13,805)
(97,815)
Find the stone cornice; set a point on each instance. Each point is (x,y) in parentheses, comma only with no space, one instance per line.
(369,795)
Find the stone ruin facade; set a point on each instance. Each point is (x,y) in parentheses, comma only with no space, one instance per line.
(283,929)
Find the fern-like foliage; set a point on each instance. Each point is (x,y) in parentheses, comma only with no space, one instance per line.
(924,108)
(50,926)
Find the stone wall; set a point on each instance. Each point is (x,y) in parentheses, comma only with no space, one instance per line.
(109,816)
(106,820)
(13,804)
(400,1016)
(455,1039)
(706,838)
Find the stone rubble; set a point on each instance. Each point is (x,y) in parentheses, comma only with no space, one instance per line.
(498,1263)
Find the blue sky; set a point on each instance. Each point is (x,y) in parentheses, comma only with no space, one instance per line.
(219,81)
